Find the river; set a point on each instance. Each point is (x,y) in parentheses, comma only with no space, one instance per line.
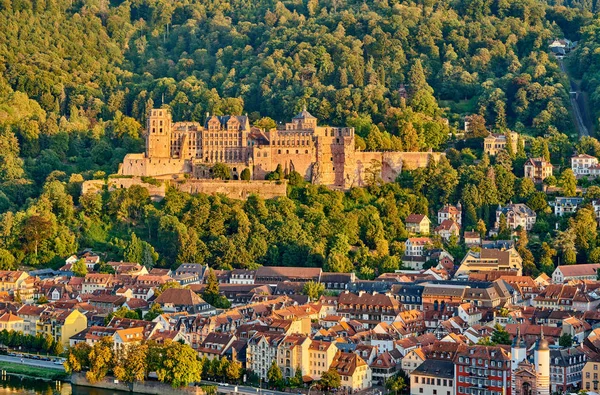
(29,386)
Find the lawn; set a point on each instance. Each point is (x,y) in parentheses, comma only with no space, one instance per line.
(32,371)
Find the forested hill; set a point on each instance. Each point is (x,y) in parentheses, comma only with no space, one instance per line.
(343,57)
(77,77)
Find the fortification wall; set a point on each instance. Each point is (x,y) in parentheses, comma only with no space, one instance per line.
(157,192)
(234,189)
(138,165)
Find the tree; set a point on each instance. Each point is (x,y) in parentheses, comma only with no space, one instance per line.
(179,365)
(395,384)
(134,250)
(122,312)
(132,365)
(7,260)
(234,370)
(101,360)
(78,358)
(79,268)
(500,335)
(245,175)
(274,375)
(568,182)
(565,340)
(297,380)
(330,379)
(221,171)
(211,294)
(476,127)
(155,311)
(313,290)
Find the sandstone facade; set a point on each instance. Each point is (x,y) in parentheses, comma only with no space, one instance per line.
(321,154)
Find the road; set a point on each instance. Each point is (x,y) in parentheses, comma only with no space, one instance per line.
(247,390)
(32,362)
(576,103)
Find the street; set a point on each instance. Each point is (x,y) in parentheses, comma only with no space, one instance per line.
(32,362)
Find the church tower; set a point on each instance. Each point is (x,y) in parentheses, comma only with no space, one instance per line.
(158,134)
(542,366)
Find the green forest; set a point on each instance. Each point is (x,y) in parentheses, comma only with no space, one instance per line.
(77,78)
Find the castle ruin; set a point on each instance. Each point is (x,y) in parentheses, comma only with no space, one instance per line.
(321,154)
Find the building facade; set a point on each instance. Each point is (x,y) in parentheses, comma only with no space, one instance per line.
(321,154)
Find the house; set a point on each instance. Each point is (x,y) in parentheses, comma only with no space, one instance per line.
(591,375)
(516,215)
(11,322)
(370,309)
(537,169)
(262,351)
(417,224)
(447,229)
(495,143)
(61,324)
(272,275)
(566,366)
(215,345)
(576,328)
(450,212)
(385,366)
(566,205)
(181,299)
(566,273)
(242,276)
(472,239)
(293,351)
(489,259)
(321,355)
(561,46)
(11,280)
(433,377)
(355,373)
(124,338)
(95,281)
(484,367)
(581,164)
(415,246)
(416,252)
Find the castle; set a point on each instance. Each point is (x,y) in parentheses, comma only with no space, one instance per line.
(321,154)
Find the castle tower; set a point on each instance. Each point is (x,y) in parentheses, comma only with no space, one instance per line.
(158,134)
(542,366)
(518,351)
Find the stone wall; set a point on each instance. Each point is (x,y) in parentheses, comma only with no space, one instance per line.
(157,192)
(139,165)
(234,189)
(147,387)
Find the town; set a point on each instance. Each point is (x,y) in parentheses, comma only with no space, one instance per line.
(472,327)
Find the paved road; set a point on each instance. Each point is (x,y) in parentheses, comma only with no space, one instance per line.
(575,103)
(32,362)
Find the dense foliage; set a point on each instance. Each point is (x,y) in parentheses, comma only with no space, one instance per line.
(73,99)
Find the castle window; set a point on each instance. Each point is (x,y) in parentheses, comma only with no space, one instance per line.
(306,152)
(279,151)
(287,151)
(296,151)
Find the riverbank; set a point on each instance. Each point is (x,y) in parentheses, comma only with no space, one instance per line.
(33,371)
(148,387)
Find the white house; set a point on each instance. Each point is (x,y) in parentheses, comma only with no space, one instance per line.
(581,164)
(565,273)
(415,246)
(566,205)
